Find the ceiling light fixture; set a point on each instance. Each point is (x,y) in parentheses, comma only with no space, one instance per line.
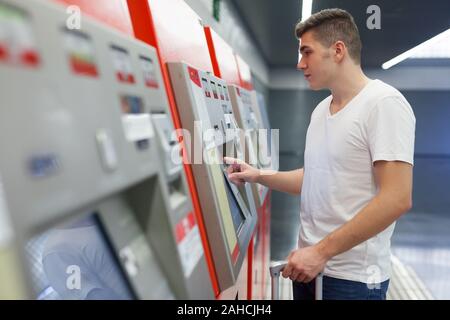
(306,9)
(417,51)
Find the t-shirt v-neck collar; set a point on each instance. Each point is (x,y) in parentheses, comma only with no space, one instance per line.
(349,104)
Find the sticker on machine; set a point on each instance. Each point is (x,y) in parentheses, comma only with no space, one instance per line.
(189,243)
(17,41)
(81,53)
(149,71)
(122,65)
(6,231)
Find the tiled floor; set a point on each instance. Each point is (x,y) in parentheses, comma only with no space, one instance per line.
(422,237)
(405,284)
(420,244)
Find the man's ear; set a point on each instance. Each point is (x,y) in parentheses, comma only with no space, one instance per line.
(340,50)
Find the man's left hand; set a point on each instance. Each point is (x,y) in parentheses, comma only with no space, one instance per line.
(304,264)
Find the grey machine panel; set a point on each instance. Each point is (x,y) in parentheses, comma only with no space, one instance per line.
(229,212)
(247,119)
(79,144)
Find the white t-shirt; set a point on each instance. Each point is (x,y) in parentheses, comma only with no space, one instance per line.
(377,124)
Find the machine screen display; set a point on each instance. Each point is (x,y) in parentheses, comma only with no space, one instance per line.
(236,212)
(75,262)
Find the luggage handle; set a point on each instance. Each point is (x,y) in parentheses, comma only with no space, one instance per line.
(275,271)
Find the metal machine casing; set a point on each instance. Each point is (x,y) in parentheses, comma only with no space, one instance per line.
(85,143)
(202,107)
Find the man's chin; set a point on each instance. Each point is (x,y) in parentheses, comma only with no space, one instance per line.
(314,86)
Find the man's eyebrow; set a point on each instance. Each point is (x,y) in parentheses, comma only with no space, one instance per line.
(303,48)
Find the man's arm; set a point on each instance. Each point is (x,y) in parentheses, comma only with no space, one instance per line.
(284,181)
(287,181)
(394,181)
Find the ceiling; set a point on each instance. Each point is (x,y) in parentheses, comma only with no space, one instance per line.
(404,24)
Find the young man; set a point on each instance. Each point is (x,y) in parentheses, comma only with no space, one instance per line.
(357,175)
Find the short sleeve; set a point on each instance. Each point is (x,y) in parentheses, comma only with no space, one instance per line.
(391,130)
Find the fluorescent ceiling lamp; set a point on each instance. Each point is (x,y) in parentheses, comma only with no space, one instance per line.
(306,9)
(438,50)
(442,40)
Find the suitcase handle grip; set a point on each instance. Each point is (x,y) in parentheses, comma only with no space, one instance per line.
(275,271)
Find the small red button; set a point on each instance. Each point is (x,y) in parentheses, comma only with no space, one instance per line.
(4,54)
(30,58)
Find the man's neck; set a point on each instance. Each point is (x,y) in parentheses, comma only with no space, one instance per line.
(347,85)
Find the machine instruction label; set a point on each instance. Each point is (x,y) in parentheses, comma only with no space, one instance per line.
(122,65)
(148,68)
(17,41)
(189,243)
(81,54)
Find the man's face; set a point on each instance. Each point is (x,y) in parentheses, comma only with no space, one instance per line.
(315,61)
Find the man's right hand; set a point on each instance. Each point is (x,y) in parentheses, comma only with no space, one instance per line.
(240,172)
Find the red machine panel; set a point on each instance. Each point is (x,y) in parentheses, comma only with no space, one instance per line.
(179,33)
(265,247)
(222,58)
(111,12)
(175,30)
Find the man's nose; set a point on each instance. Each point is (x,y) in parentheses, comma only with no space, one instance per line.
(301,65)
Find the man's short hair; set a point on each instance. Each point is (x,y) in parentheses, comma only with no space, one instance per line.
(331,25)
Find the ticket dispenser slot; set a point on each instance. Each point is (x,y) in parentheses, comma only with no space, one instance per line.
(229,220)
(137,248)
(170,145)
(88,149)
(136,121)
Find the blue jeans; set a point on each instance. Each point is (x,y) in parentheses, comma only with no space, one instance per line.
(338,289)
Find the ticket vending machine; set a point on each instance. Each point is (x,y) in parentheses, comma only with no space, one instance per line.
(247,119)
(260,109)
(94,210)
(229,212)
(258,156)
(262,251)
